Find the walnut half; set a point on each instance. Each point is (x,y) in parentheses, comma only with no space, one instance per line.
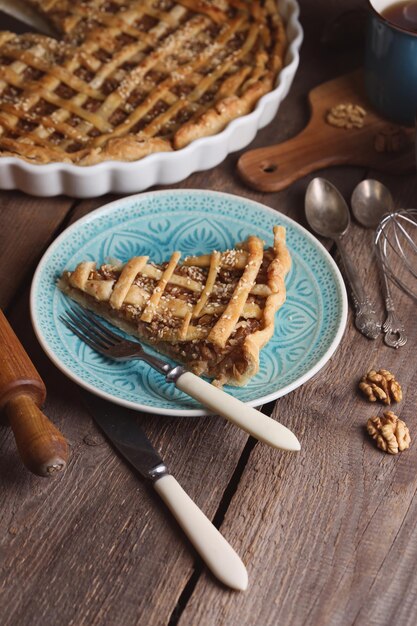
(381,385)
(346,116)
(390,433)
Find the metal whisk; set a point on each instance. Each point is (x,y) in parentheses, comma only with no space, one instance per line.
(396,240)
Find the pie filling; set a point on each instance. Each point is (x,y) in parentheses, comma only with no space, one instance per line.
(213,312)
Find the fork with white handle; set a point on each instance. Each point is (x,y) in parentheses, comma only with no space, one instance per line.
(100,338)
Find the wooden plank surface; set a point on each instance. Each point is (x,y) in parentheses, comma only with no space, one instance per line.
(27,226)
(328,535)
(107,534)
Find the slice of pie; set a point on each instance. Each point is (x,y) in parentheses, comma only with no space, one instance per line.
(213,312)
(125,78)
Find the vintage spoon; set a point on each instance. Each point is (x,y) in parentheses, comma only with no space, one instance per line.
(328,215)
(370,201)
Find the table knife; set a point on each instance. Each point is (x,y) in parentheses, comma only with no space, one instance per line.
(121,428)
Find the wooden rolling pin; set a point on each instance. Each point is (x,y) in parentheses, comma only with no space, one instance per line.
(41,446)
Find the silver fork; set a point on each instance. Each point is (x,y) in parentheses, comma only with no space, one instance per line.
(102,339)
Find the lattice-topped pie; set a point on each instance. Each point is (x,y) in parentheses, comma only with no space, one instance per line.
(213,312)
(125,78)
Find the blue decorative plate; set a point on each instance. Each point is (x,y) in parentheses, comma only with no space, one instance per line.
(309,326)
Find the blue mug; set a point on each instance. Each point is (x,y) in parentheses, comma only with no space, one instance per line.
(391,66)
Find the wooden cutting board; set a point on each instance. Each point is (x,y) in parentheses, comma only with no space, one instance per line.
(377,145)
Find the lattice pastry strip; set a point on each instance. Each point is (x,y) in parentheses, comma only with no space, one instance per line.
(131,77)
(213,312)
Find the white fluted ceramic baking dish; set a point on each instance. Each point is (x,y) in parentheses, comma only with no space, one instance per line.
(161,168)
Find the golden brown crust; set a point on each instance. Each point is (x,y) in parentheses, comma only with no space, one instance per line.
(224,327)
(277,271)
(223,112)
(125,149)
(215,315)
(125,282)
(130,78)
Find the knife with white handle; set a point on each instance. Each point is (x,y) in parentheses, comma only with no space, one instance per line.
(122,429)
(217,553)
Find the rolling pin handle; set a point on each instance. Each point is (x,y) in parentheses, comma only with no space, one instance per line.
(42,447)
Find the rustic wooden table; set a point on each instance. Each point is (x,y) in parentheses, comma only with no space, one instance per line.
(328,535)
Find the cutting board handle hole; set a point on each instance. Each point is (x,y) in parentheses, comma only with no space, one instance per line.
(269,168)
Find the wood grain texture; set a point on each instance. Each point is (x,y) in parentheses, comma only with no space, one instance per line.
(328,535)
(328,529)
(17,373)
(113,550)
(321,144)
(26,227)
